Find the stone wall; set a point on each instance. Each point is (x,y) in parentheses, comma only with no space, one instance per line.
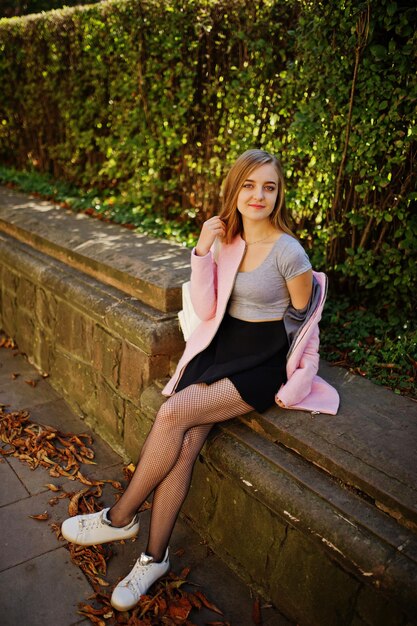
(101,347)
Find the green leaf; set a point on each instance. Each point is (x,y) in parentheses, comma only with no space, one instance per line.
(378,51)
(392,8)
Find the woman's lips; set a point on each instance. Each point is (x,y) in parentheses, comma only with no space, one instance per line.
(258,206)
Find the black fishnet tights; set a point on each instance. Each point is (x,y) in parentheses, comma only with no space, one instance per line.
(168,455)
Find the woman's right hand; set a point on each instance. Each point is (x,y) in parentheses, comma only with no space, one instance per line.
(212,228)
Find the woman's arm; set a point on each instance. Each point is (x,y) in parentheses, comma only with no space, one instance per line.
(203,288)
(300,289)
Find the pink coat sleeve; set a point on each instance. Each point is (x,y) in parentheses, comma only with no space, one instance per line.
(203,289)
(300,380)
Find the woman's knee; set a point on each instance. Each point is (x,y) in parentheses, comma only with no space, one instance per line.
(165,413)
(170,414)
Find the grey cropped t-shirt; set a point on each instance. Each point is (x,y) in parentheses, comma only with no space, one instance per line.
(262,294)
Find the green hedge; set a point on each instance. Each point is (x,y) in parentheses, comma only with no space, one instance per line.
(149,101)
(13,8)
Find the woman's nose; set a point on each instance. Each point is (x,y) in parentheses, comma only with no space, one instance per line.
(258,193)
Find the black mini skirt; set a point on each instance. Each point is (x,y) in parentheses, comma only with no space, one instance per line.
(252,355)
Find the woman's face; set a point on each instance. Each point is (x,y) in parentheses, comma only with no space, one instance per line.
(258,194)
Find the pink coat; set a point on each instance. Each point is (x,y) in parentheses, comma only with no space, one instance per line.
(211,286)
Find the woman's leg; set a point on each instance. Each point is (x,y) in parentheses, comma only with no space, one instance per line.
(195,405)
(171,492)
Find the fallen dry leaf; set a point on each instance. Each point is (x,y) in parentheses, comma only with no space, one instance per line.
(73,503)
(31,382)
(56,528)
(41,517)
(207,604)
(184,573)
(256,613)
(145,506)
(43,445)
(179,552)
(53,487)
(7,342)
(128,471)
(89,610)
(195,601)
(179,609)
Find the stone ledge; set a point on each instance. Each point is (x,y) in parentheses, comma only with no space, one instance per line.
(151,270)
(106,305)
(370,445)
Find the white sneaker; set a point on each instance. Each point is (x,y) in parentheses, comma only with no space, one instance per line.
(95,528)
(144,573)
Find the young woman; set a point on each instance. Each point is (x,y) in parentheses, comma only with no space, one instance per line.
(259,303)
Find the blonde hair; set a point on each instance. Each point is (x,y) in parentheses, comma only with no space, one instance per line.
(238,173)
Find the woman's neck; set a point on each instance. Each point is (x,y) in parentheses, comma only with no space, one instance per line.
(254,231)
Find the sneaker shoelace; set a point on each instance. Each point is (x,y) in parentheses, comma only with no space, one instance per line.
(138,572)
(91,522)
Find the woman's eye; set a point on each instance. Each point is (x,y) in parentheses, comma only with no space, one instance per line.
(270,188)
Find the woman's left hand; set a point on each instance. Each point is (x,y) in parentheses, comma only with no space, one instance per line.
(281,404)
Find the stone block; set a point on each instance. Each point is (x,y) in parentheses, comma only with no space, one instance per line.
(73,287)
(45,310)
(400,581)
(200,504)
(158,368)
(136,428)
(26,294)
(10,280)
(43,349)
(76,382)
(312,587)
(106,354)
(25,331)
(143,327)
(152,399)
(138,369)
(9,304)
(1,296)
(246,529)
(74,332)
(109,410)
(174,358)
(134,368)
(376,610)
(22,259)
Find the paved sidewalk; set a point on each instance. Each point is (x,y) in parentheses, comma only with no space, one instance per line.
(39,585)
